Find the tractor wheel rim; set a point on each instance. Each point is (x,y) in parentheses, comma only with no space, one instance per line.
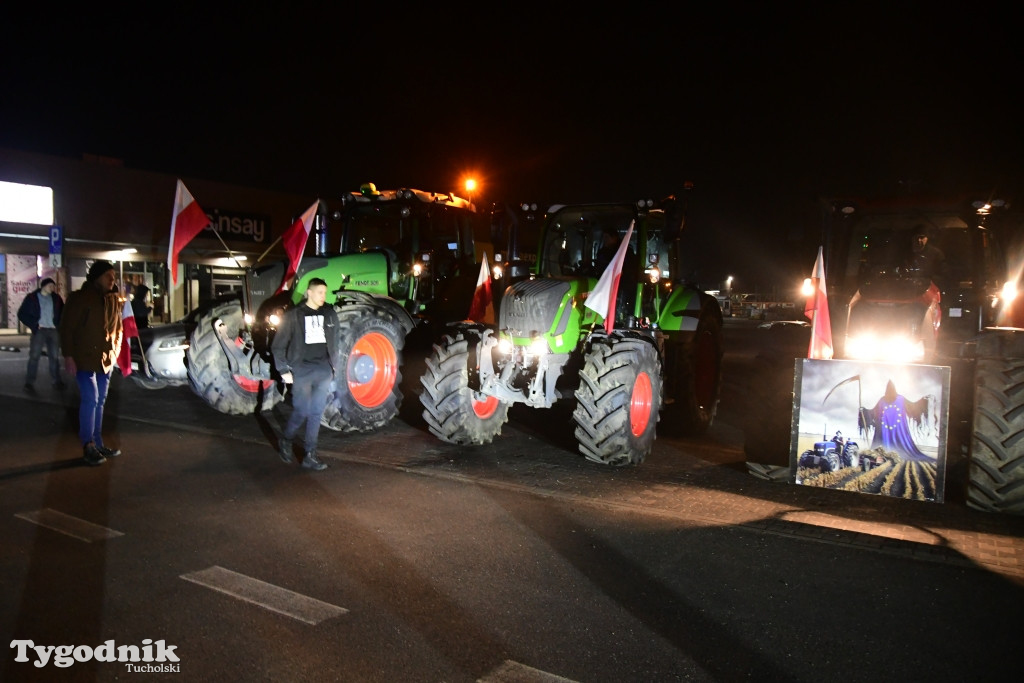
(377,348)
(485,408)
(640,403)
(252,385)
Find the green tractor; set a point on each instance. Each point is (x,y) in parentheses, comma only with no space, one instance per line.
(663,355)
(407,260)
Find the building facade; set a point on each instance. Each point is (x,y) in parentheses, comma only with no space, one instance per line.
(103,210)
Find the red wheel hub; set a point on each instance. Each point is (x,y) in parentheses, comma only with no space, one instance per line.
(485,408)
(640,403)
(378,349)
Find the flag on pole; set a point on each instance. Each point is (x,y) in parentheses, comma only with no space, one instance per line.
(817,310)
(124,355)
(187,222)
(294,241)
(481,310)
(602,299)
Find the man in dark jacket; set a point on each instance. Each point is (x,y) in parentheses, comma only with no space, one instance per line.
(90,339)
(40,312)
(305,352)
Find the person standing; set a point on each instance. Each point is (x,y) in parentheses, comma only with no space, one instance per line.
(305,351)
(140,306)
(40,312)
(90,339)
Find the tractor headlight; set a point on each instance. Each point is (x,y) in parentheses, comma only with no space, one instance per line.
(248,318)
(417,269)
(1009,292)
(274,319)
(654,273)
(505,346)
(497,272)
(538,347)
(895,349)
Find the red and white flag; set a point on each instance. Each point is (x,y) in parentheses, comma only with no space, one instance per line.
(124,355)
(817,310)
(482,308)
(294,241)
(602,299)
(187,222)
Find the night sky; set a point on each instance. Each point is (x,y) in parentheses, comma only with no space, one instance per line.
(763,110)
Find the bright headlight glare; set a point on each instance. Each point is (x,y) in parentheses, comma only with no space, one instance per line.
(417,268)
(505,346)
(497,271)
(538,346)
(248,318)
(894,349)
(1009,292)
(274,319)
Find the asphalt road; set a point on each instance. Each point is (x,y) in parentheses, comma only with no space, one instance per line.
(409,559)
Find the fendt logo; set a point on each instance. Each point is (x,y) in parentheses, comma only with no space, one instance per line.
(64,656)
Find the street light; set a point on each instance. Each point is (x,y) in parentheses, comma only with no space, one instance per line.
(470,187)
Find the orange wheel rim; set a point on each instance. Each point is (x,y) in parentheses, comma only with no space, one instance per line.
(485,408)
(640,404)
(379,350)
(252,385)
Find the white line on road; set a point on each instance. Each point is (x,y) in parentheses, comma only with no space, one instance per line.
(71,526)
(265,595)
(514,672)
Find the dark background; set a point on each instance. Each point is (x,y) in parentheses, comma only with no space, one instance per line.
(765,109)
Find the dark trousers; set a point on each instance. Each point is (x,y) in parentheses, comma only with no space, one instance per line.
(44,336)
(310,390)
(93,389)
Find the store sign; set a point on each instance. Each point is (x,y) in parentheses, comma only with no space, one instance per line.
(237,226)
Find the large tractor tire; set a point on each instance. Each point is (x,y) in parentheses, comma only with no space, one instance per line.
(997,455)
(696,369)
(209,370)
(454,412)
(367,391)
(618,400)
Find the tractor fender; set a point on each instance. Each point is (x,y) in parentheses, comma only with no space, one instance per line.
(351,297)
(684,308)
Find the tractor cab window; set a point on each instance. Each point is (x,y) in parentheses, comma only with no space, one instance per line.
(375,226)
(584,242)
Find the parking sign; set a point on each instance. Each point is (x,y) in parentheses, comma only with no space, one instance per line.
(56,239)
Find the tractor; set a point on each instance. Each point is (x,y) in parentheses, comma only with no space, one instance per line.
(407,260)
(662,354)
(922,281)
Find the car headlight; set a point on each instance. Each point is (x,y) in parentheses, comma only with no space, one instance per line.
(172,344)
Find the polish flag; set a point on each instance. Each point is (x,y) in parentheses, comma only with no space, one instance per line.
(187,222)
(482,308)
(294,241)
(124,355)
(817,310)
(602,299)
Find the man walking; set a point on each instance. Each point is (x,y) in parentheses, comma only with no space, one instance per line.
(305,350)
(90,339)
(40,312)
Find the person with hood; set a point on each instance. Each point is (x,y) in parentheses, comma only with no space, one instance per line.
(140,306)
(40,312)
(90,339)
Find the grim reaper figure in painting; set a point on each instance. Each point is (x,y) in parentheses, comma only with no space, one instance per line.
(891,419)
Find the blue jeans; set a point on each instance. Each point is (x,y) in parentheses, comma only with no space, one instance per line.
(93,388)
(44,336)
(310,390)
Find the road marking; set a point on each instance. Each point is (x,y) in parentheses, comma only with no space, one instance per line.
(265,595)
(71,526)
(514,672)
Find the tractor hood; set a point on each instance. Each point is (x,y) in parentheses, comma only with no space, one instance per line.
(532,306)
